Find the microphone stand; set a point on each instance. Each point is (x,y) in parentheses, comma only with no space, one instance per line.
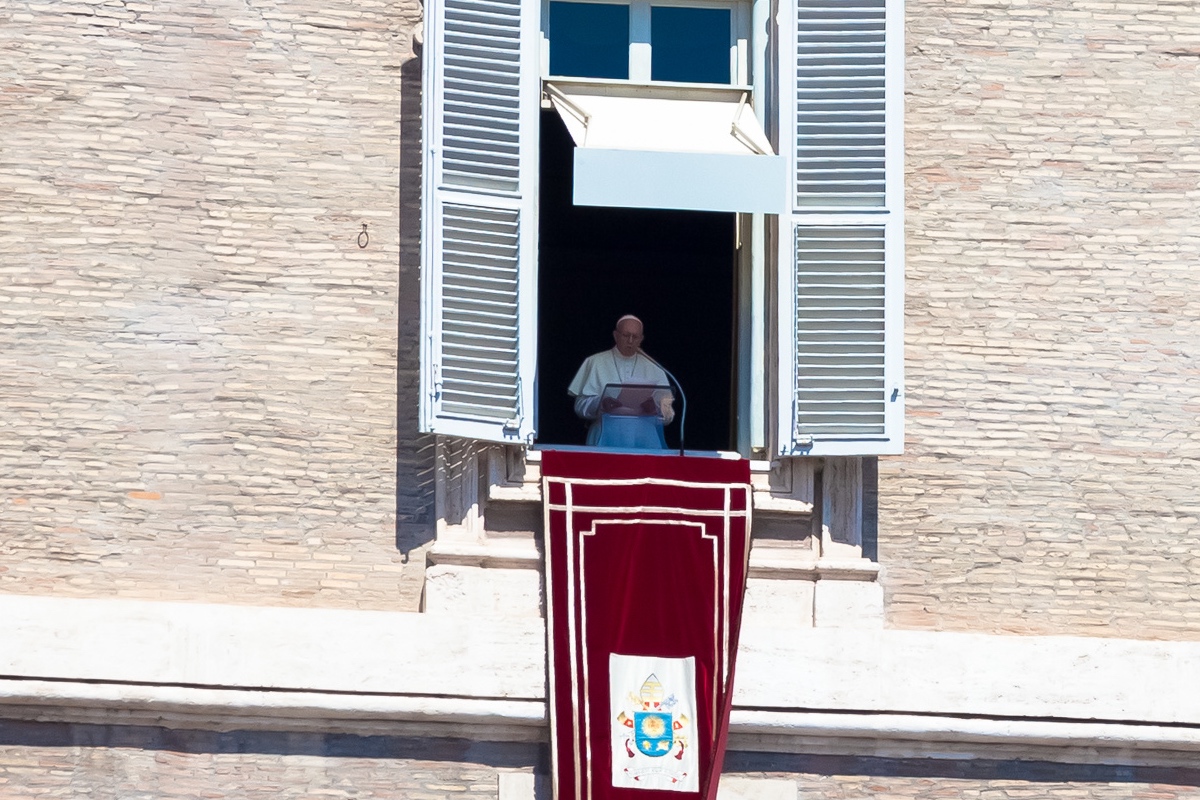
(682,396)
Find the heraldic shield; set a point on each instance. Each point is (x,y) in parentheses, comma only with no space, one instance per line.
(653,732)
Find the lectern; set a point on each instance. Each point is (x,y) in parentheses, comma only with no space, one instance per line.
(635,421)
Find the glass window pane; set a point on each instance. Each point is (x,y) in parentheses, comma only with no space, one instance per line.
(589,40)
(690,44)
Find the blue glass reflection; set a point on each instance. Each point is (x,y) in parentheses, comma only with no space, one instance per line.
(589,40)
(689,44)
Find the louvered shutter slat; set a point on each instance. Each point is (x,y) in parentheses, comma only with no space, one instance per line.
(482,82)
(840,80)
(840,282)
(468,319)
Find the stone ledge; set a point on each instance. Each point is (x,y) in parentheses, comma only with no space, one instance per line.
(787,563)
(253,648)
(205,708)
(971,675)
(515,493)
(814,733)
(766,502)
(498,556)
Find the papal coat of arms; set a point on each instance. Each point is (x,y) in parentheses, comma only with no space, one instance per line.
(653,706)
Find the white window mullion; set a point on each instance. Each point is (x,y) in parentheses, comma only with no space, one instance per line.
(639,41)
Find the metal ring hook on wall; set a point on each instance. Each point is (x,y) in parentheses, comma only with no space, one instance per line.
(364,238)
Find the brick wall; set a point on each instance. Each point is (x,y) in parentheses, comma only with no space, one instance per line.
(209,386)
(855,778)
(1051,478)
(39,760)
(43,760)
(206,382)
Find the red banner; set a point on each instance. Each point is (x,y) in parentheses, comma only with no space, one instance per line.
(646,569)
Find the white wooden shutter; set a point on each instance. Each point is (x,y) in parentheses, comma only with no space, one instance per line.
(841,247)
(479,226)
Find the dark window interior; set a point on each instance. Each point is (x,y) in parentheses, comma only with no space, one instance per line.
(589,40)
(673,269)
(689,44)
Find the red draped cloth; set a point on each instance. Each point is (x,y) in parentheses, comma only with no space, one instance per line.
(646,570)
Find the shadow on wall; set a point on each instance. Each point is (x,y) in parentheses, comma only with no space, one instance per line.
(502,755)
(414,450)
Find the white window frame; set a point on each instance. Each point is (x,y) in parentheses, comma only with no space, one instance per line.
(770,423)
(640,35)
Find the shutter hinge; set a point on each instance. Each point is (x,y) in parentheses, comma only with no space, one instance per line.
(436,370)
(513,426)
(801,442)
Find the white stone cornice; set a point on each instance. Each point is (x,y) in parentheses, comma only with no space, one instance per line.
(291,649)
(249,709)
(970,675)
(860,692)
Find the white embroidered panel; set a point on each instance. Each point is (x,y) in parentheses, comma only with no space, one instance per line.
(652,710)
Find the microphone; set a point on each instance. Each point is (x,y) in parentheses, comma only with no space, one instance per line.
(682,396)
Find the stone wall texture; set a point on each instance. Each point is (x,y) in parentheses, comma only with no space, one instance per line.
(207,383)
(1051,481)
(851,778)
(39,760)
(209,388)
(42,760)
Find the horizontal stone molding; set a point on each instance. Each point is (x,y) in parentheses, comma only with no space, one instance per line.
(248,709)
(781,563)
(970,675)
(491,555)
(258,648)
(861,692)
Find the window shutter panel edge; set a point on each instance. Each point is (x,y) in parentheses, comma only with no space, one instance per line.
(840,251)
(479,226)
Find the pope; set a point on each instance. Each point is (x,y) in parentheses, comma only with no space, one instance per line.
(624,363)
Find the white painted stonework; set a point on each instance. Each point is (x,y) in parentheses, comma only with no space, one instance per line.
(183,664)
(922,672)
(814,690)
(735,788)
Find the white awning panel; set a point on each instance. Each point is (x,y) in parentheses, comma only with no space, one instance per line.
(696,148)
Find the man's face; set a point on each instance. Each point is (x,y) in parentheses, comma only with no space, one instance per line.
(628,337)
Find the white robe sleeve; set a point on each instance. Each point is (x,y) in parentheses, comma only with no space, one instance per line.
(587,385)
(587,406)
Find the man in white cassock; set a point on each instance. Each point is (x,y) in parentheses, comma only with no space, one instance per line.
(612,424)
